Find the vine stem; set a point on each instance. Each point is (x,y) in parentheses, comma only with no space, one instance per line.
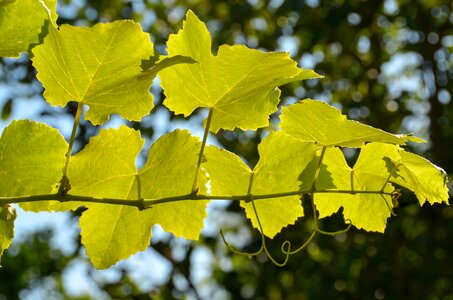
(203,145)
(64,183)
(68,198)
(146,203)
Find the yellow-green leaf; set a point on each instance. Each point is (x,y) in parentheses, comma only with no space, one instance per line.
(239,84)
(427,181)
(170,171)
(106,168)
(366,211)
(99,66)
(23,24)
(282,159)
(32,156)
(228,174)
(7,217)
(316,121)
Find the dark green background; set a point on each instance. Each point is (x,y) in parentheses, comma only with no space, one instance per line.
(352,43)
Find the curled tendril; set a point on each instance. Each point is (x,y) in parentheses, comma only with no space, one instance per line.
(285,248)
(334,233)
(263,239)
(286,245)
(300,248)
(263,245)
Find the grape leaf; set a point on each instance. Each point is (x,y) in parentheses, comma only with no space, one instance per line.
(316,121)
(282,159)
(366,211)
(413,172)
(19,32)
(239,84)
(7,217)
(428,181)
(228,174)
(170,171)
(98,66)
(106,168)
(32,156)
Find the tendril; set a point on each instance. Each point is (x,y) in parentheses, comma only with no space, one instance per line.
(263,237)
(302,247)
(334,233)
(235,251)
(263,247)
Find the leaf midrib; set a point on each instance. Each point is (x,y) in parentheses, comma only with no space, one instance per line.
(100,64)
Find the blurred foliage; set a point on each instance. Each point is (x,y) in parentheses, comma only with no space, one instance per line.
(387,63)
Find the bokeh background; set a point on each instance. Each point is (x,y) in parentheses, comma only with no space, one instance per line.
(387,64)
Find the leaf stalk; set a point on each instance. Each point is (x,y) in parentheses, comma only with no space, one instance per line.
(64,182)
(203,145)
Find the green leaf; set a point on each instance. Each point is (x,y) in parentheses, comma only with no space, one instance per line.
(98,66)
(316,121)
(32,156)
(23,24)
(7,217)
(427,181)
(170,171)
(378,164)
(228,174)
(106,168)
(239,84)
(282,159)
(366,211)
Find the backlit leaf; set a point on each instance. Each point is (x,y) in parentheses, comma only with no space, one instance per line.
(23,24)
(170,171)
(239,84)
(366,211)
(228,174)
(282,159)
(99,66)
(316,121)
(427,181)
(106,168)
(7,217)
(32,156)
